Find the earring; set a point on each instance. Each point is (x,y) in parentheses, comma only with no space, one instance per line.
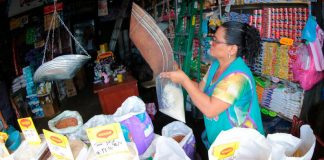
(229,56)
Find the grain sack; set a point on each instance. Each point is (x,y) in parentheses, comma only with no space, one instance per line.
(136,124)
(181,133)
(66,123)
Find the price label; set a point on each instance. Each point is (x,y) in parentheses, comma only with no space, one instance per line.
(58,145)
(29,130)
(286,41)
(107,140)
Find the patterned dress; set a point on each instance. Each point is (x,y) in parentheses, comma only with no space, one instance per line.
(235,86)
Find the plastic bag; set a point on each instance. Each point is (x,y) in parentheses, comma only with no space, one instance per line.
(98,120)
(135,123)
(291,148)
(239,143)
(168,149)
(304,69)
(282,144)
(150,151)
(308,31)
(306,148)
(170,98)
(176,129)
(64,115)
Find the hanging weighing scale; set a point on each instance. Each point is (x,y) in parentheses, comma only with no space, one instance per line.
(62,67)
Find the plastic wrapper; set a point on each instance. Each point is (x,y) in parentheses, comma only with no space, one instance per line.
(170,98)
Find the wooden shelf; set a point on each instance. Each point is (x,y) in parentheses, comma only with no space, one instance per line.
(271,4)
(285,81)
(278,114)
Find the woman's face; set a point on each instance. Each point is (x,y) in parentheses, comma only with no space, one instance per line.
(219,47)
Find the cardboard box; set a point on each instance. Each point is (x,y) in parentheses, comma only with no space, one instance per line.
(80,79)
(70,88)
(49,109)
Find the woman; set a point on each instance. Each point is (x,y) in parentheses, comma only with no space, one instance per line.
(226,95)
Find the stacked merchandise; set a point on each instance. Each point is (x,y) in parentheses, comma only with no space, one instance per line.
(266,97)
(256,20)
(269,52)
(285,100)
(281,68)
(260,91)
(33,101)
(275,23)
(260,86)
(257,64)
(195,61)
(276,60)
(240,2)
(18,83)
(103,69)
(292,60)
(234,16)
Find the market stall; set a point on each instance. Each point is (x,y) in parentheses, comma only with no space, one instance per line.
(73,101)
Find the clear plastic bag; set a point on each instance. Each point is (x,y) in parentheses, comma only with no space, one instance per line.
(170,98)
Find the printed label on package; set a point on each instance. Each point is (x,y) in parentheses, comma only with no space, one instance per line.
(28,129)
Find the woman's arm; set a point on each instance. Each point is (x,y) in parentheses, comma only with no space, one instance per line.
(209,106)
(201,85)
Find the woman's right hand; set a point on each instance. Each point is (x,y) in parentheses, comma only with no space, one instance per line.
(177,76)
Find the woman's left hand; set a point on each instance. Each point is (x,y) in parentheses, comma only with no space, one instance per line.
(177,76)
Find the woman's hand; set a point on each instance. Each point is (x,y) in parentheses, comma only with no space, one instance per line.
(177,76)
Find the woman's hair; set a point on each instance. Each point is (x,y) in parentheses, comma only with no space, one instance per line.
(247,38)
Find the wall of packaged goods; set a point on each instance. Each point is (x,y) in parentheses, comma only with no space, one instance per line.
(278,89)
